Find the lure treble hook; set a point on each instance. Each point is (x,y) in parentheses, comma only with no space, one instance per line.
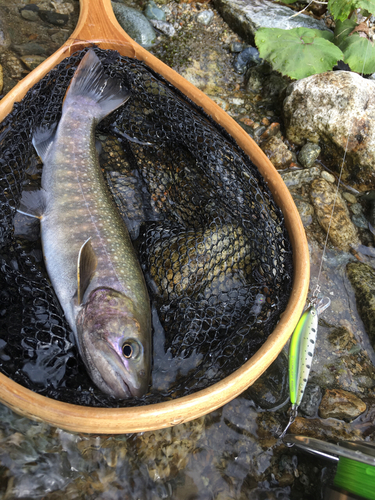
(301,353)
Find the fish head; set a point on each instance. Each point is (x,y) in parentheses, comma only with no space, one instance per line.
(114,344)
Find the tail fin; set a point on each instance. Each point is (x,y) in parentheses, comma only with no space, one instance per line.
(89,80)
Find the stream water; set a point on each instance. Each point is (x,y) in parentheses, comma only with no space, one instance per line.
(234,452)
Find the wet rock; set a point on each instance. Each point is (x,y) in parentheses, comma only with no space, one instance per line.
(135,24)
(362,278)
(327,176)
(344,405)
(30,14)
(245,17)
(308,154)
(152,11)
(271,388)
(62,7)
(5,40)
(1,79)
(349,197)
(247,57)
(12,66)
(205,17)
(236,47)
(305,210)
(342,231)
(164,27)
(48,16)
(31,48)
(272,130)
(360,221)
(311,399)
(302,176)
(329,107)
(277,152)
(32,61)
(326,429)
(167,451)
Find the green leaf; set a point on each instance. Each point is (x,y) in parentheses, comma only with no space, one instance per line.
(298,52)
(343,30)
(359,53)
(368,5)
(340,9)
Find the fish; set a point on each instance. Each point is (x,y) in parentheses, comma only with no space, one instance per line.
(87,249)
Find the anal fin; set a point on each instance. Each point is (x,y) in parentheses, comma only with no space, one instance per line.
(86,266)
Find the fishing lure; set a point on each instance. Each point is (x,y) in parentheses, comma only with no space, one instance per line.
(301,353)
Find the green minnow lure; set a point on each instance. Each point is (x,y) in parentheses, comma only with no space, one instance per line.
(301,353)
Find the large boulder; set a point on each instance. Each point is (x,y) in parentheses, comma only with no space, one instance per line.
(337,110)
(245,17)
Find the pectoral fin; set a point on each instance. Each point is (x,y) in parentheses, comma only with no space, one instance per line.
(87,262)
(33,203)
(43,139)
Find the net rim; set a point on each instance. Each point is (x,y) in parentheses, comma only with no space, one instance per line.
(161,415)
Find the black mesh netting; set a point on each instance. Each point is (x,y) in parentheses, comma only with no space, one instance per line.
(211,240)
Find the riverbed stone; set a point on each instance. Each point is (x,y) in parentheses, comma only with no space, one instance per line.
(340,404)
(308,154)
(299,177)
(342,231)
(327,176)
(349,197)
(205,17)
(305,210)
(245,17)
(152,11)
(136,25)
(32,61)
(54,18)
(362,279)
(1,79)
(167,451)
(330,107)
(277,151)
(5,40)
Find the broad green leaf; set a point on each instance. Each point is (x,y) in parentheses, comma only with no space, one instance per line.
(368,5)
(359,53)
(340,9)
(298,52)
(343,30)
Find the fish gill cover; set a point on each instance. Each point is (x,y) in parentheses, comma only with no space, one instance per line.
(211,241)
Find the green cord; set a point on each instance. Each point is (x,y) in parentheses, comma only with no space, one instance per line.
(356,477)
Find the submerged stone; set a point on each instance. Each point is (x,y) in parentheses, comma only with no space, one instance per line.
(247,57)
(308,154)
(343,234)
(135,24)
(277,152)
(362,278)
(205,17)
(152,11)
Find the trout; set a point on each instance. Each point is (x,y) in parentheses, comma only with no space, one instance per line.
(88,253)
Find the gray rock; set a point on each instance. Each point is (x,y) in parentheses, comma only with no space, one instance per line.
(135,24)
(32,61)
(4,35)
(298,177)
(30,15)
(356,208)
(305,210)
(362,278)
(31,48)
(236,47)
(247,57)
(54,18)
(311,400)
(164,27)
(152,11)
(360,221)
(327,176)
(205,17)
(327,108)
(245,17)
(308,154)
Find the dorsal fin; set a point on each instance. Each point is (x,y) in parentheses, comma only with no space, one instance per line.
(86,265)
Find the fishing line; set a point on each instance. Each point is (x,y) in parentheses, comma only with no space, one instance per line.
(302,343)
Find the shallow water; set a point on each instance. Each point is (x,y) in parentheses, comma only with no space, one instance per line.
(230,454)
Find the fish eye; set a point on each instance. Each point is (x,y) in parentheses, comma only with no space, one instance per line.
(127,350)
(130,349)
